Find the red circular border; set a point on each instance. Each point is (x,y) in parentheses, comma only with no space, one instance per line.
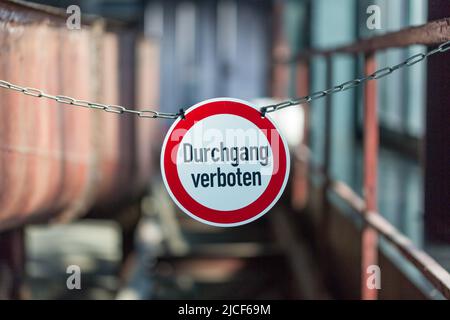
(179,192)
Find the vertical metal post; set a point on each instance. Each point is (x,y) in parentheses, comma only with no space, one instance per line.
(302,78)
(437,138)
(300,181)
(369,239)
(280,71)
(325,221)
(328,120)
(302,89)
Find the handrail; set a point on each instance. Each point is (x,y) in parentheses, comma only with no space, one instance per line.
(431,269)
(431,33)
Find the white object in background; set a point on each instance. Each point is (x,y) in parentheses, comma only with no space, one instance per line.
(290,121)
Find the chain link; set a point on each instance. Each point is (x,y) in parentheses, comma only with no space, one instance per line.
(266,109)
(356,82)
(87,104)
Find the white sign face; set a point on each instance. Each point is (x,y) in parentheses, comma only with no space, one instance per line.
(212,170)
(224,164)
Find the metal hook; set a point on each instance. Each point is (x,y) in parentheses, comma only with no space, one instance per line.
(264,111)
(181,113)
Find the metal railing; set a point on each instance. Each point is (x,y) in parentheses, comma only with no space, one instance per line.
(432,33)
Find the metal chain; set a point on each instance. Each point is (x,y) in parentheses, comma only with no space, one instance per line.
(356,82)
(266,109)
(87,104)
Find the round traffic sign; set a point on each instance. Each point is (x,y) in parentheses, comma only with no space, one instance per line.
(224,164)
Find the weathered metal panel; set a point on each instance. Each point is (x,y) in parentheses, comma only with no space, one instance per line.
(28,171)
(109,124)
(76,123)
(57,161)
(149,135)
(127,138)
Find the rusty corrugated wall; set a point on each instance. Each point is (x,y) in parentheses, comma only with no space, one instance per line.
(58,161)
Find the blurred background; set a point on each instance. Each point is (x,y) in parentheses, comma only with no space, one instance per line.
(83,187)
